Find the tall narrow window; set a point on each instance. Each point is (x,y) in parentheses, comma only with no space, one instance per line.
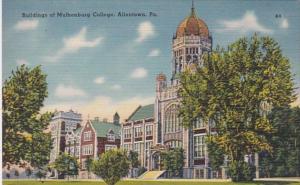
(172,121)
(199,147)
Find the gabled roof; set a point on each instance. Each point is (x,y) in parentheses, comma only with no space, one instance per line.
(103,128)
(142,112)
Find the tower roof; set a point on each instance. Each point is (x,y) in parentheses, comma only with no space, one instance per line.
(161,77)
(192,25)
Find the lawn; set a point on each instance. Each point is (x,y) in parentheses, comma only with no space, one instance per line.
(127,182)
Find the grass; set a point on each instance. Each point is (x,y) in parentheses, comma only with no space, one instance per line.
(128,182)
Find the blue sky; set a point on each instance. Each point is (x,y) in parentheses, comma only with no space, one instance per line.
(100,65)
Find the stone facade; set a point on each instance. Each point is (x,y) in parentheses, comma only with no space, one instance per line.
(61,124)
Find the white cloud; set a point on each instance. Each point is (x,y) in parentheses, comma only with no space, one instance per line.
(64,91)
(245,24)
(284,23)
(139,73)
(145,31)
(99,80)
(154,53)
(102,106)
(22,61)
(75,43)
(26,25)
(116,87)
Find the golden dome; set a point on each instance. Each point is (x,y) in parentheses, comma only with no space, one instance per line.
(192,25)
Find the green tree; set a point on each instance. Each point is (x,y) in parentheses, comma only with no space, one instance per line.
(233,90)
(112,166)
(89,165)
(66,164)
(133,158)
(23,95)
(216,155)
(284,161)
(173,161)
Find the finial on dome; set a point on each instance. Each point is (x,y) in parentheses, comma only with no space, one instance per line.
(193,9)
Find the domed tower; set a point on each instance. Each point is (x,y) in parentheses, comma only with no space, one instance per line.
(191,40)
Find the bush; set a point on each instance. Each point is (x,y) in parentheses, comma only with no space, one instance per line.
(112,166)
(241,171)
(40,174)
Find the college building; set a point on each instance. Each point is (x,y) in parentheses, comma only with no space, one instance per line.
(154,128)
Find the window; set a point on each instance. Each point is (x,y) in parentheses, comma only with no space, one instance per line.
(77,150)
(71,150)
(172,120)
(138,132)
(148,145)
(199,173)
(149,129)
(109,147)
(87,136)
(137,147)
(174,144)
(87,149)
(198,123)
(127,133)
(111,136)
(199,146)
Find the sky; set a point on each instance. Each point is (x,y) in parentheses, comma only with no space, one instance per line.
(100,65)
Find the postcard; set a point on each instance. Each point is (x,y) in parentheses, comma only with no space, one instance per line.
(158,91)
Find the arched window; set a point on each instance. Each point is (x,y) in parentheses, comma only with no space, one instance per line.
(172,121)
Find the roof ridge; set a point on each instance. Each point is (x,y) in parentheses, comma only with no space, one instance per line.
(134,112)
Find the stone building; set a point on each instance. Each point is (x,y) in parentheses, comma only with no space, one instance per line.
(191,40)
(61,124)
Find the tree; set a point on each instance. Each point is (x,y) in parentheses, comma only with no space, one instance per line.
(89,165)
(23,95)
(216,155)
(40,146)
(133,158)
(112,166)
(233,90)
(173,161)
(285,141)
(66,164)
